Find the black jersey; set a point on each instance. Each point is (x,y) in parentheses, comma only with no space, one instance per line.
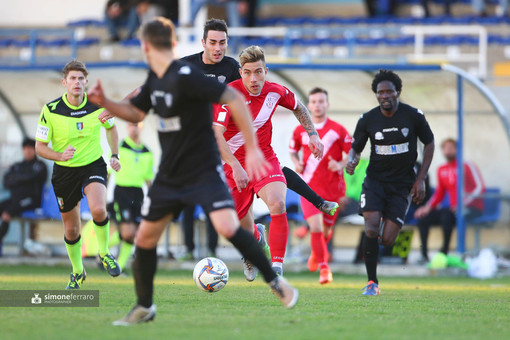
(181,100)
(393,142)
(226,71)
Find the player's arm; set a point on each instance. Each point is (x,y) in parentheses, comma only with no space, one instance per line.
(303,116)
(358,143)
(43,150)
(352,161)
(418,190)
(123,109)
(239,174)
(112,136)
(256,165)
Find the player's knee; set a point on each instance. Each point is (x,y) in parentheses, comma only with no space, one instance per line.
(387,241)
(98,212)
(371,232)
(128,236)
(277,206)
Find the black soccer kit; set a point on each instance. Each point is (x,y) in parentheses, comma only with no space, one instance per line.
(390,175)
(226,71)
(190,170)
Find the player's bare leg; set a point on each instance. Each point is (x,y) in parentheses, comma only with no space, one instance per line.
(73,242)
(273,194)
(96,198)
(144,269)
(318,257)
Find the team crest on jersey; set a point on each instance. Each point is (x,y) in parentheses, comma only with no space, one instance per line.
(79,126)
(405,132)
(222,79)
(60,201)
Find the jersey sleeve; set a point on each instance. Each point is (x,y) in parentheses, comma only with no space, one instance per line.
(360,137)
(197,86)
(143,99)
(295,141)
(44,131)
(288,99)
(221,115)
(423,130)
(108,124)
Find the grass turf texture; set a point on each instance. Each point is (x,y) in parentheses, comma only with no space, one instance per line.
(410,308)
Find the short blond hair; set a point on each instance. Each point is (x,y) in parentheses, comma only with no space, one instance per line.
(252,54)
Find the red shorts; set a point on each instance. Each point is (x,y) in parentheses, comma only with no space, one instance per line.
(244,199)
(309,210)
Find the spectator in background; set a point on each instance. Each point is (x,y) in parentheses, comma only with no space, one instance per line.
(25,181)
(188,222)
(381,8)
(431,213)
(149,9)
(121,13)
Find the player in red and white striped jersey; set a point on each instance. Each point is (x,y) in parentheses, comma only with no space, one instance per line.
(262,97)
(324,176)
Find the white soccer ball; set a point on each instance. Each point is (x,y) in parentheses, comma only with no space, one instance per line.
(210,274)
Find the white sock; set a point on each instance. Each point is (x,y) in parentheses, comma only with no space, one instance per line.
(277,264)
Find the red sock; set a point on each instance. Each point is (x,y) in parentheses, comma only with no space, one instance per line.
(256,233)
(319,247)
(278,236)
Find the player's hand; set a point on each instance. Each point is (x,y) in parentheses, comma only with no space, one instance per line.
(316,146)
(115,164)
(418,191)
(421,212)
(350,166)
(334,166)
(96,93)
(255,164)
(68,153)
(104,116)
(300,166)
(240,177)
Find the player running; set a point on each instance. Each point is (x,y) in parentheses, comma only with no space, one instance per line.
(390,183)
(72,126)
(263,98)
(324,176)
(190,170)
(128,193)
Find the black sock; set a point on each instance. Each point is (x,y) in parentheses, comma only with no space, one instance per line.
(251,250)
(371,253)
(144,268)
(4,228)
(296,183)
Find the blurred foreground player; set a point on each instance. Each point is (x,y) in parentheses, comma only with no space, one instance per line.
(190,170)
(393,129)
(325,176)
(72,126)
(263,98)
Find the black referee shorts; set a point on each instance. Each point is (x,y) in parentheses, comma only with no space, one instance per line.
(128,204)
(68,182)
(391,199)
(210,191)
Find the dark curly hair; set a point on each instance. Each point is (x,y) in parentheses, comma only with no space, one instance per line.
(387,75)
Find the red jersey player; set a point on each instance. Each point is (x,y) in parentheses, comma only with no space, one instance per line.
(262,98)
(324,176)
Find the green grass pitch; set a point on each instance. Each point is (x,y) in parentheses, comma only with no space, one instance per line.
(408,308)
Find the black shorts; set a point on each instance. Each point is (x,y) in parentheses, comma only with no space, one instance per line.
(68,182)
(391,199)
(210,191)
(128,204)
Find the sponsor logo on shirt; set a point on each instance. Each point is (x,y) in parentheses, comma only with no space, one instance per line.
(77,113)
(79,126)
(169,124)
(379,135)
(390,129)
(42,132)
(405,132)
(392,149)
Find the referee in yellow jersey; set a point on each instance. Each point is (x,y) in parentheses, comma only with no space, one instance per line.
(72,126)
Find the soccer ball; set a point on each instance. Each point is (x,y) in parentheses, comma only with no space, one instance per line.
(210,274)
